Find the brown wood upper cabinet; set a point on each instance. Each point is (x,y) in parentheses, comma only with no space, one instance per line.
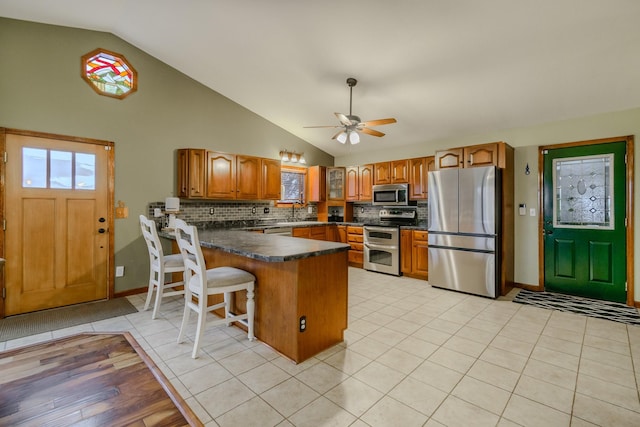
(359,183)
(393,172)
(227,176)
(191,173)
(317,176)
(418,171)
(472,156)
(271,179)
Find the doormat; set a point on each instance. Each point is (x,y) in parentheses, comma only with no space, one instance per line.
(23,325)
(613,311)
(88,379)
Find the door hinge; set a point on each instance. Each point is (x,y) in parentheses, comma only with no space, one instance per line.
(107,148)
(545,151)
(4,224)
(625,287)
(625,159)
(4,293)
(4,157)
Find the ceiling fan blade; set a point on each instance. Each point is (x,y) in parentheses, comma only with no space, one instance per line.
(343,119)
(379,122)
(328,126)
(372,132)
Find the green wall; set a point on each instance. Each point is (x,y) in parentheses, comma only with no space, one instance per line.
(526,141)
(41,90)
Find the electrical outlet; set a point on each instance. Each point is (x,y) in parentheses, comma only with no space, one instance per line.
(361,209)
(310,209)
(119,270)
(266,210)
(211,211)
(253,210)
(303,323)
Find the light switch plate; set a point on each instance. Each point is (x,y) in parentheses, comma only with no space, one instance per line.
(119,270)
(532,212)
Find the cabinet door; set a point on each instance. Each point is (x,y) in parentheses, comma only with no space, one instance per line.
(318,233)
(418,178)
(270,179)
(317,183)
(420,254)
(406,250)
(430,161)
(352,187)
(400,171)
(342,233)
(195,187)
(447,159)
(481,155)
(304,232)
(365,182)
(183,173)
(335,182)
(221,175)
(248,177)
(382,173)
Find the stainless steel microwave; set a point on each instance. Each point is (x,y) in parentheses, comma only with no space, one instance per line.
(391,195)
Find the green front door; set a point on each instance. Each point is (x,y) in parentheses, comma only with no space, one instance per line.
(584,221)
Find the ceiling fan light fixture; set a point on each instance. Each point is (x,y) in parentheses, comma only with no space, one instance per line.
(342,138)
(354,138)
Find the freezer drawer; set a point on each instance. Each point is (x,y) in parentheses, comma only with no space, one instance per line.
(463,270)
(479,243)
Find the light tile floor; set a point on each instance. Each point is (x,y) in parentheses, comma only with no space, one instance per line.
(413,356)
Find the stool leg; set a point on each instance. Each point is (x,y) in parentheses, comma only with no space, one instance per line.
(228,300)
(149,292)
(156,306)
(251,307)
(185,320)
(202,317)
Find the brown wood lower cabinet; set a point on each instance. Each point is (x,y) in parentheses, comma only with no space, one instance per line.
(356,240)
(414,254)
(288,291)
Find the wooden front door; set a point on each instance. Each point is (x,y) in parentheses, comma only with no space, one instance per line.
(584,197)
(58,219)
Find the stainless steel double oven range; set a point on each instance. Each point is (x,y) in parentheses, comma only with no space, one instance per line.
(382,238)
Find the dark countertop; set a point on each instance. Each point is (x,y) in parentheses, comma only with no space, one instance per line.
(263,247)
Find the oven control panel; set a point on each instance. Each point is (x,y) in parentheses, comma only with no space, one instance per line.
(397,213)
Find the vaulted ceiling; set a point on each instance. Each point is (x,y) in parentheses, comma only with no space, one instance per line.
(441,68)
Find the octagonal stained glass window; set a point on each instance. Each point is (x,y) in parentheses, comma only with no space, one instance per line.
(109,73)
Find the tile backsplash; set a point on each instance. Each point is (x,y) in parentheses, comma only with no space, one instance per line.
(260,212)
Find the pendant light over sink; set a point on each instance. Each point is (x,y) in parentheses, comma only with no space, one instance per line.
(351,125)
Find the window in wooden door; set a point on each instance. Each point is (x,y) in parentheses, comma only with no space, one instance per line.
(583,195)
(43,168)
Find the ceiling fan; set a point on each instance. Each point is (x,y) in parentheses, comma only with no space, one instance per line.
(351,124)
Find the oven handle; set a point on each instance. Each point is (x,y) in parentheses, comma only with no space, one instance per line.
(381,229)
(382,247)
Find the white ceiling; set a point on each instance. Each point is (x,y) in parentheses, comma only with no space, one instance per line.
(442,68)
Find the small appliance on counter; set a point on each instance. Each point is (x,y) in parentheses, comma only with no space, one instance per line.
(382,238)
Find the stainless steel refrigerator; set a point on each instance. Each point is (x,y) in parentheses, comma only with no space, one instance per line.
(464,230)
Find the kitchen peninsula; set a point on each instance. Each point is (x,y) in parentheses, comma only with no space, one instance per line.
(301,286)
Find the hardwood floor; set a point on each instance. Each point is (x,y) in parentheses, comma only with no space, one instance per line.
(88,379)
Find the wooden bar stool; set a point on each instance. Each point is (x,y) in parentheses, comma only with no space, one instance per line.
(200,283)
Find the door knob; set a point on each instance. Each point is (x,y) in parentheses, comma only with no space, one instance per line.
(101,230)
(549,231)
